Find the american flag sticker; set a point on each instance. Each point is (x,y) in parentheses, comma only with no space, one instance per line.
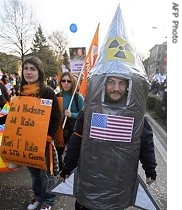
(111,127)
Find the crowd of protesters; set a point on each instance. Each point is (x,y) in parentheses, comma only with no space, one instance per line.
(66,84)
(159,84)
(159,88)
(11,82)
(107,133)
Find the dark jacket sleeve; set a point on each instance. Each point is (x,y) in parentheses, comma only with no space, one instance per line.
(55,116)
(73,151)
(147,152)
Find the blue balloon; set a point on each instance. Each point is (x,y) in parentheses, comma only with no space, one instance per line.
(73,27)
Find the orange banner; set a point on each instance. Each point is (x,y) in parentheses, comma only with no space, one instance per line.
(89,61)
(25,132)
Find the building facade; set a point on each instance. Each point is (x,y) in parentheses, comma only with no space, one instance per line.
(157,61)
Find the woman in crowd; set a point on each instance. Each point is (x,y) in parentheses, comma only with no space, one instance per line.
(67,88)
(33,85)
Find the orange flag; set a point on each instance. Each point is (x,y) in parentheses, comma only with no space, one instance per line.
(89,61)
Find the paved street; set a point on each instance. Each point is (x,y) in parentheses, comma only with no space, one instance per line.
(16,192)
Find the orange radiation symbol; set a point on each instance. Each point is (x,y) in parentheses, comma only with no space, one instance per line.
(119,49)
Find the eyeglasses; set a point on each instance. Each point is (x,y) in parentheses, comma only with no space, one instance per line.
(120,83)
(64,80)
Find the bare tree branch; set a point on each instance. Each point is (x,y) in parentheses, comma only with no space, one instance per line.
(58,41)
(17,27)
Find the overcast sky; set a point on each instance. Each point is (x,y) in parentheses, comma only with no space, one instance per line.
(145,20)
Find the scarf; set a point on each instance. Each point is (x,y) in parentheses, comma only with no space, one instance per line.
(31,89)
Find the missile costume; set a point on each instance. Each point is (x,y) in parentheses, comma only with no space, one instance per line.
(111,134)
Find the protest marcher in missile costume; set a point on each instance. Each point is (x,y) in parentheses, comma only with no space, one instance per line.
(114,135)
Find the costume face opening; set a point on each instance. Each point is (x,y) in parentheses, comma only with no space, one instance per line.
(115,91)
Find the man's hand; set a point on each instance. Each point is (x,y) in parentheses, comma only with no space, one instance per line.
(149,181)
(63,175)
(62,179)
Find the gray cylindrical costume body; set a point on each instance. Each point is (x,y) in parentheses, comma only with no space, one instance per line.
(108,169)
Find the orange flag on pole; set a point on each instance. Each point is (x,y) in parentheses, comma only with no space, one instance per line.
(89,61)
